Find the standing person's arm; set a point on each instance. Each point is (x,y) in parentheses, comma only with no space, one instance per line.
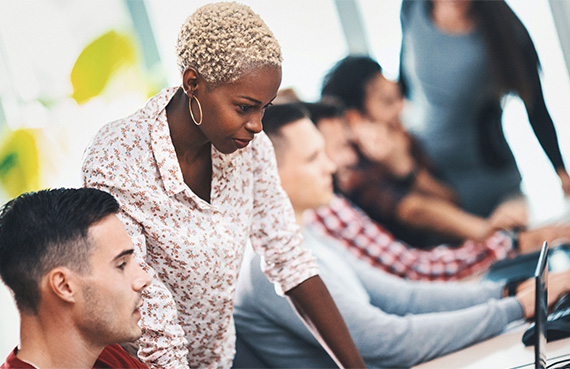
(314,304)
(405,11)
(276,237)
(543,128)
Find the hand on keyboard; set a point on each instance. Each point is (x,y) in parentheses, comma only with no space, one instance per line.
(557,323)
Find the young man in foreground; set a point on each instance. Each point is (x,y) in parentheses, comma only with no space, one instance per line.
(69,262)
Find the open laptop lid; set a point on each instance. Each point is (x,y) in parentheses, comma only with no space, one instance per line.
(540,307)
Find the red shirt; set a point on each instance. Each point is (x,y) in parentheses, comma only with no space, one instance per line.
(12,362)
(113,356)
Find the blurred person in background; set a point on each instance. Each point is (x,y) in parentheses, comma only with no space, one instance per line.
(393,182)
(455,95)
(373,242)
(395,323)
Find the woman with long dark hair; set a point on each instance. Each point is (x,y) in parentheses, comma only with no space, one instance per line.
(459,59)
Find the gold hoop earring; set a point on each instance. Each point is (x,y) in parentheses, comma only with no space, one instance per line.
(199,108)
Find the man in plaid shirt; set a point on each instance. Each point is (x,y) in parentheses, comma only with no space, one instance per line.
(368,240)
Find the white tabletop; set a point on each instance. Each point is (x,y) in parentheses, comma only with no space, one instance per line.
(500,352)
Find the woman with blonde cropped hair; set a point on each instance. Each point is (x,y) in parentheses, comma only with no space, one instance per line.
(197,181)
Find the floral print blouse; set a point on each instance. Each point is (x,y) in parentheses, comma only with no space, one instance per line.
(192,248)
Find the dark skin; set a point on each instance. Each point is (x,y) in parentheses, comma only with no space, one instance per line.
(314,304)
(232,115)
(230,112)
(192,157)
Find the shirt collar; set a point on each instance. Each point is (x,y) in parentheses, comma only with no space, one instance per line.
(161,143)
(164,151)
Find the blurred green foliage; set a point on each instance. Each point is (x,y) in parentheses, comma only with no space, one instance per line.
(112,60)
(19,163)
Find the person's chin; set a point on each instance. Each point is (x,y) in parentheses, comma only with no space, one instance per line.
(138,333)
(135,334)
(226,149)
(325,200)
(328,193)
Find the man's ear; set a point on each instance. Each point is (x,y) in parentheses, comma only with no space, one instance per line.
(62,283)
(190,81)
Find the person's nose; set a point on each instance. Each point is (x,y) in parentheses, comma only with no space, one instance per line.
(348,157)
(142,279)
(330,166)
(255,125)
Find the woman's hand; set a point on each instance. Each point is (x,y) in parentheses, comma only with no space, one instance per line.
(565,181)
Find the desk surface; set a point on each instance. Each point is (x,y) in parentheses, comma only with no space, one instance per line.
(503,351)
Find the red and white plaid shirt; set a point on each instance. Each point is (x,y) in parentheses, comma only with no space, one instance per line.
(369,241)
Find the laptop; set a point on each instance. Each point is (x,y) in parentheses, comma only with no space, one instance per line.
(520,268)
(541,307)
(536,335)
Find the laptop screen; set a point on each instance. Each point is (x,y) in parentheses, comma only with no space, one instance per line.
(540,307)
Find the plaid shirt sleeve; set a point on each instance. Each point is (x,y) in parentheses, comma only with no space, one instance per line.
(367,240)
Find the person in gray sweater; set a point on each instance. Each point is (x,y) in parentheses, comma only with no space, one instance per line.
(456,95)
(394,322)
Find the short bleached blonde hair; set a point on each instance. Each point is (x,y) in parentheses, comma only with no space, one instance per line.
(222,40)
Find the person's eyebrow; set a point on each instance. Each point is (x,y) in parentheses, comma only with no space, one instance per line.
(313,155)
(255,100)
(126,252)
(251,99)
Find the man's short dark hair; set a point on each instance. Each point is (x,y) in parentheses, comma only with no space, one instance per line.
(42,230)
(277,116)
(280,115)
(328,107)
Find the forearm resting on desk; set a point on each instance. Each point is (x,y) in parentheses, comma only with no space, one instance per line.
(314,304)
(425,183)
(442,217)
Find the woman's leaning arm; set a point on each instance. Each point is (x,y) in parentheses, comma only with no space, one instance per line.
(315,306)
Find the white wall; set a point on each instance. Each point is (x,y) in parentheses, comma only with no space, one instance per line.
(9,322)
